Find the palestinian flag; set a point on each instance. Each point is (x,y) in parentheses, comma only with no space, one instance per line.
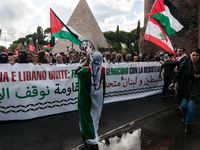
(38,49)
(168,15)
(155,34)
(46,46)
(89,113)
(31,48)
(62,31)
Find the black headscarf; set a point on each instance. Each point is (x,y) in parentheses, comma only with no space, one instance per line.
(4,59)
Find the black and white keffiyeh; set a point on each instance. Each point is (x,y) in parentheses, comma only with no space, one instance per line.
(95,65)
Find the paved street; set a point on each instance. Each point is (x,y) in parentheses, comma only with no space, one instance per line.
(61,132)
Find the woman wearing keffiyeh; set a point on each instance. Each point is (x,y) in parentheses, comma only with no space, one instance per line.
(90,98)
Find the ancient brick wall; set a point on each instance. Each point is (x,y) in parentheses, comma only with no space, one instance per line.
(199,27)
(188,37)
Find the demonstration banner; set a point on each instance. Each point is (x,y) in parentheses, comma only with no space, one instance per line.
(29,91)
(132,80)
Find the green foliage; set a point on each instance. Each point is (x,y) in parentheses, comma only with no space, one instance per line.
(39,31)
(29,36)
(128,50)
(130,39)
(2,49)
(37,38)
(23,41)
(110,36)
(52,41)
(122,36)
(40,36)
(34,37)
(137,36)
(138,30)
(125,50)
(117,35)
(115,45)
(115,39)
(47,31)
(12,47)
(136,48)
(132,49)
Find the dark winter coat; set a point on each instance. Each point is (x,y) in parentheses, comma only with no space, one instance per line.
(188,86)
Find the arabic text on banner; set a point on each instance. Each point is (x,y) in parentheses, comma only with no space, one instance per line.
(29,91)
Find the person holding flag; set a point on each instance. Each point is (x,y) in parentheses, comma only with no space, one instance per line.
(168,72)
(179,60)
(91,86)
(171,19)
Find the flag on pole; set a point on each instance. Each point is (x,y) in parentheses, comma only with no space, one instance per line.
(46,46)
(31,48)
(5,49)
(155,34)
(62,31)
(0,33)
(168,15)
(38,49)
(16,52)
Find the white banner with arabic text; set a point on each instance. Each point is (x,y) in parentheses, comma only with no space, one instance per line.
(29,91)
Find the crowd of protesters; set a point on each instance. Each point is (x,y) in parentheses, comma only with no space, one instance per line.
(76,57)
(43,57)
(180,70)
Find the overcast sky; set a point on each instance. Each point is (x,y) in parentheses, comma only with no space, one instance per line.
(19,18)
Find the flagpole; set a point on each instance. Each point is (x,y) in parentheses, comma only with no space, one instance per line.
(5,42)
(5,37)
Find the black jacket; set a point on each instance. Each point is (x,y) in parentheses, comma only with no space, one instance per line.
(177,63)
(181,77)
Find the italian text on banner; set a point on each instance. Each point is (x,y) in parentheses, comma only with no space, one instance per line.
(29,91)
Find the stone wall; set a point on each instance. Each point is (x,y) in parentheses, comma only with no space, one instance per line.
(188,37)
(199,27)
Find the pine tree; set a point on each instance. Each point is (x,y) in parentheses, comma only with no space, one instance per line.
(117,36)
(136,42)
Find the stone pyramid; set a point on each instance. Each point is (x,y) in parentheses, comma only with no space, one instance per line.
(83,21)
